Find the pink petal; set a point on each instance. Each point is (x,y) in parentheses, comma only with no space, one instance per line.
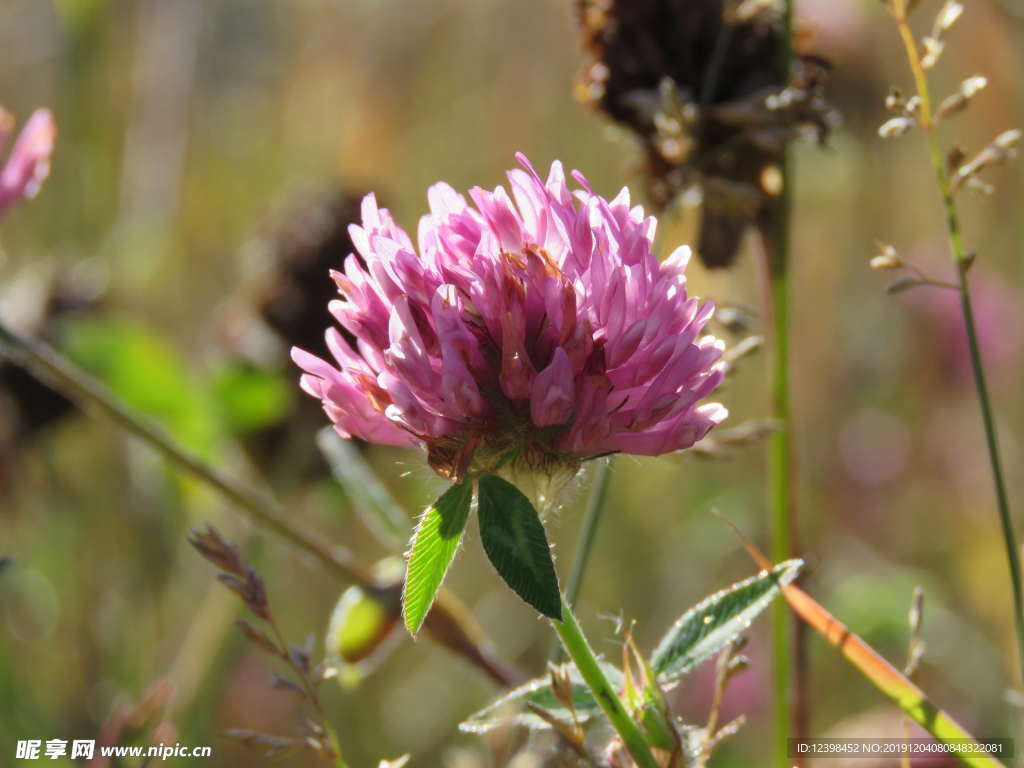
(552,395)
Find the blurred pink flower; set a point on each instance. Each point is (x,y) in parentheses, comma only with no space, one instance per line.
(538,328)
(29,161)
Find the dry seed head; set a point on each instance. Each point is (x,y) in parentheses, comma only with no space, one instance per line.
(752,11)
(772,180)
(734,319)
(561,684)
(955,158)
(744,348)
(914,661)
(738,664)
(1002,149)
(903,284)
(933,47)
(257,636)
(972,85)
(895,101)
(281,683)
(750,432)
(959,101)
(948,16)
(271,745)
(951,105)
(979,187)
(886,262)
(915,618)
(222,553)
(887,258)
(916,613)
(1008,141)
(896,126)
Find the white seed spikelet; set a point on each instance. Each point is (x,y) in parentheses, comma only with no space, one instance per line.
(960,100)
(972,85)
(887,258)
(933,47)
(1009,140)
(948,16)
(895,127)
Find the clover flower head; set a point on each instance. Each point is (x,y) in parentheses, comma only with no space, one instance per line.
(29,162)
(533,328)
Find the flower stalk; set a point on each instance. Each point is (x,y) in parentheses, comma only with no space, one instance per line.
(579,650)
(927,120)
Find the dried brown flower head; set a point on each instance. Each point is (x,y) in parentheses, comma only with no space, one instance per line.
(702,85)
(307,240)
(28,406)
(306,237)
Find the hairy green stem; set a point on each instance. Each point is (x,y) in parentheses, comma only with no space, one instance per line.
(583,657)
(962,260)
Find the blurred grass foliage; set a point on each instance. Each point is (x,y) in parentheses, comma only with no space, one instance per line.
(182,123)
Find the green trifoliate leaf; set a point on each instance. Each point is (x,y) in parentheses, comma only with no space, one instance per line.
(514,540)
(707,627)
(434,544)
(513,707)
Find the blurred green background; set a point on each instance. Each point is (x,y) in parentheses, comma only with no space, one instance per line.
(184,124)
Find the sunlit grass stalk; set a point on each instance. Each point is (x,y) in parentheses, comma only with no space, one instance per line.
(381,513)
(926,120)
(585,541)
(779,497)
(588,529)
(780,449)
(455,629)
(583,657)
